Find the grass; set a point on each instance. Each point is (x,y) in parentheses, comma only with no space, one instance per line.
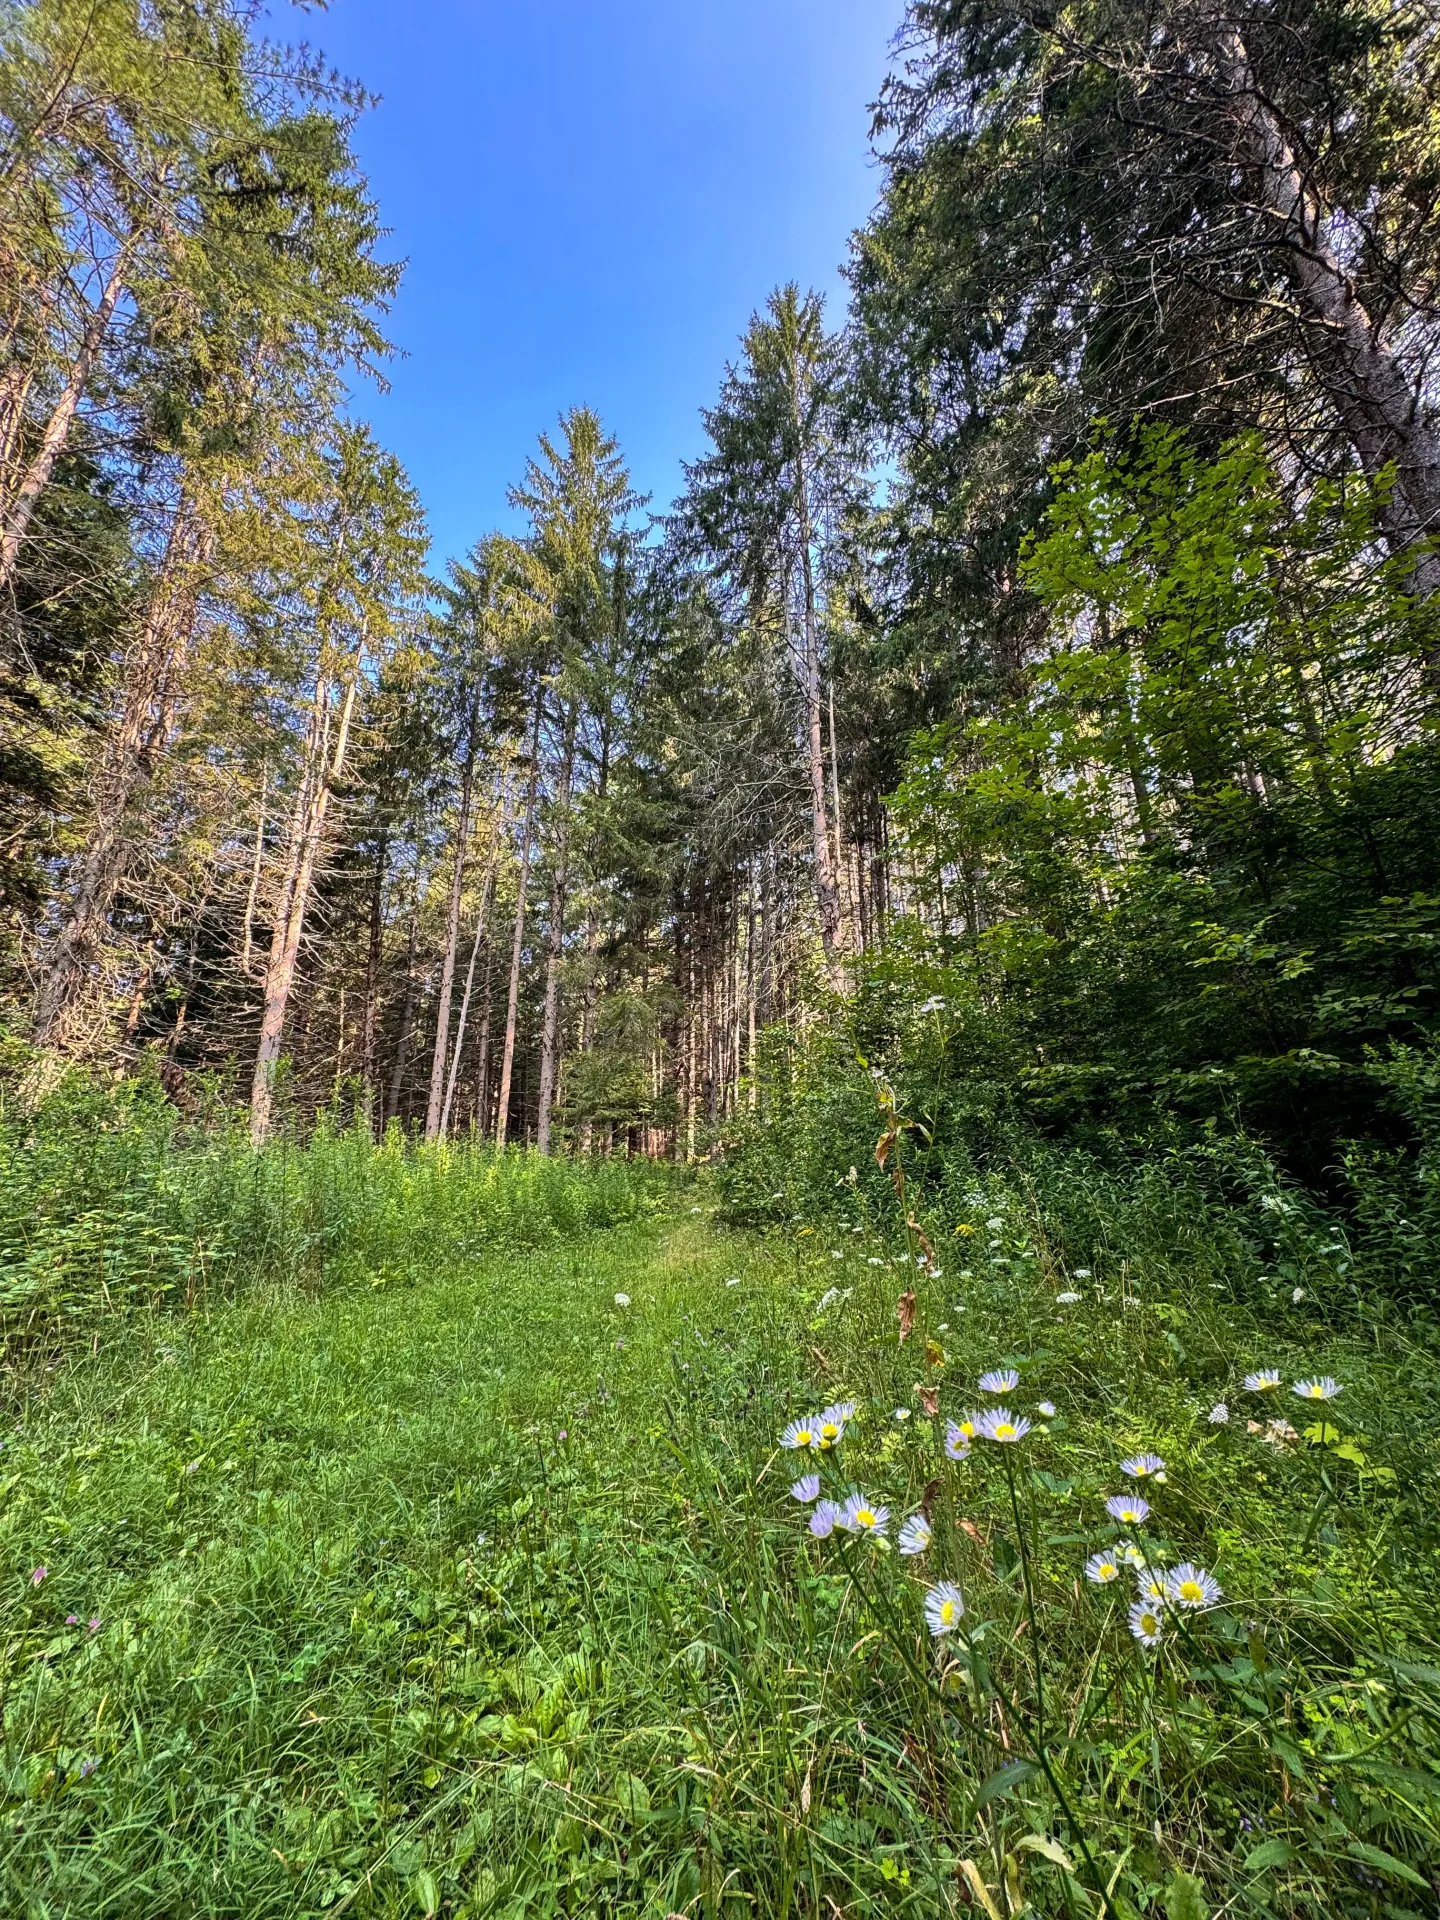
(473,1592)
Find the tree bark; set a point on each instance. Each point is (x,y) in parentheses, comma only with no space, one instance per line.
(826,897)
(512,1003)
(152,676)
(36,476)
(1377,401)
(486,898)
(407,1018)
(307,830)
(555,939)
(439,1058)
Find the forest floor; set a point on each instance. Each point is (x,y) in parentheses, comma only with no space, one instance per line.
(483,1594)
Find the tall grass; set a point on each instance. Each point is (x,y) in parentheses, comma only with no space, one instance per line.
(109,1199)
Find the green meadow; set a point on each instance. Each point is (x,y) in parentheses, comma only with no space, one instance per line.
(364,1551)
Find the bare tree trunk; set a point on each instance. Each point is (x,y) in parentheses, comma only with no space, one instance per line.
(1377,401)
(374,953)
(512,1003)
(152,676)
(441,1054)
(36,476)
(555,939)
(487,896)
(407,1017)
(306,835)
(827,899)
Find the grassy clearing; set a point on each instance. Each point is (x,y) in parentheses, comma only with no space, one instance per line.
(477,1593)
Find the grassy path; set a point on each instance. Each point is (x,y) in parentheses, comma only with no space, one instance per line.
(481,1595)
(324,1538)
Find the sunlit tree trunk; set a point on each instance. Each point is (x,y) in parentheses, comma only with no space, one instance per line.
(517,946)
(441,1054)
(555,939)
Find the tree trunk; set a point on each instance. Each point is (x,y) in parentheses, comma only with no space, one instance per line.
(151,678)
(441,1054)
(374,953)
(827,899)
(555,939)
(306,835)
(1377,401)
(407,1017)
(36,476)
(486,898)
(512,1003)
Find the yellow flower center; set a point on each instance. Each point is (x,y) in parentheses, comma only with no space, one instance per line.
(864,1517)
(1191,1590)
(1004,1431)
(829,1431)
(1149,1622)
(1316,1393)
(947,1611)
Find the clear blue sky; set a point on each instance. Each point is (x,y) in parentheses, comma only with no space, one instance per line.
(593,196)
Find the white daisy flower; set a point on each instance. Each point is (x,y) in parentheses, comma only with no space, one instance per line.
(1145,1624)
(915,1534)
(806,1488)
(999,1380)
(1266,1381)
(801,1433)
(1190,1586)
(1143,1466)
(944,1608)
(1128,1508)
(1219,1414)
(902,1413)
(957,1443)
(1047,1407)
(824,1520)
(1322,1389)
(862,1515)
(1102,1568)
(1002,1425)
(1151,1582)
(1129,1554)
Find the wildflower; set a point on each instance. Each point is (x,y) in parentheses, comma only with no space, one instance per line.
(994,1223)
(806,1488)
(829,1430)
(1002,1425)
(72,1619)
(1152,1585)
(915,1535)
(1322,1389)
(1219,1414)
(843,1410)
(87,1767)
(1190,1586)
(40,1575)
(835,1254)
(1082,1273)
(999,1380)
(944,1608)
(828,1299)
(622,1299)
(800,1433)
(1143,1466)
(1102,1568)
(824,1519)
(1297,1296)
(1266,1381)
(902,1413)
(969,1423)
(563,1436)
(874,1261)
(1129,1554)
(1066,1299)
(859,1515)
(1128,1508)
(1145,1624)
(957,1442)
(1047,1407)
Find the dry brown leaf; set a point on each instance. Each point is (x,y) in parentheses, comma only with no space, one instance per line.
(929,1398)
(905,1313)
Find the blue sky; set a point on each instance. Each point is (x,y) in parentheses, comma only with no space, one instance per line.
(593,196)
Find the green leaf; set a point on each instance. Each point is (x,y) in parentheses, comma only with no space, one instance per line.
(1269,1854)
(1386,1863)
(1185,1898)
(1003,1780)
